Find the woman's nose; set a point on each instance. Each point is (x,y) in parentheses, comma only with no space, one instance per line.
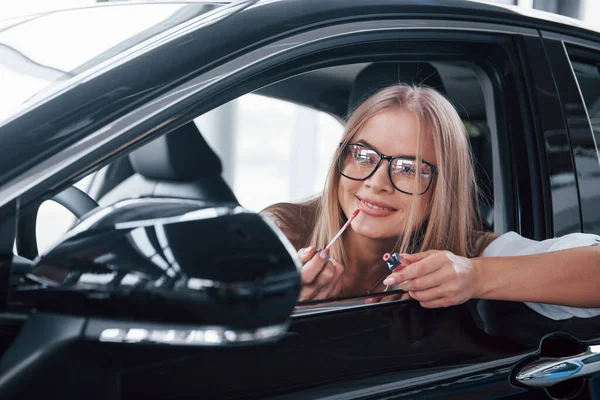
(380,180)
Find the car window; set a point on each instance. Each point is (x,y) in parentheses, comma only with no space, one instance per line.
(274,150)
(585,148)
(284,146)
(257,139)
(276,145)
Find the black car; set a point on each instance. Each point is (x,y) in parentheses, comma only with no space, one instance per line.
(168,287)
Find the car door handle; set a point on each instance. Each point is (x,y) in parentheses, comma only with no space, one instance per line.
(546,371)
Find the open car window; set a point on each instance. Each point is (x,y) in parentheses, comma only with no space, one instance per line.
(276,145)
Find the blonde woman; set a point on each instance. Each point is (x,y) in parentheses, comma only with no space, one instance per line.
(404,161)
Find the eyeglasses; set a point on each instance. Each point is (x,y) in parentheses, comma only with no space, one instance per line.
(359,162)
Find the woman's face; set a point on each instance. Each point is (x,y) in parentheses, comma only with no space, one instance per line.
(384,210)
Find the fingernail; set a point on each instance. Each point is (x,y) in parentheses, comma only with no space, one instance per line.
(323,254)
(389,281)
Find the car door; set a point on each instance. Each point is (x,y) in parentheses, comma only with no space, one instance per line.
(349,349)
(398,349)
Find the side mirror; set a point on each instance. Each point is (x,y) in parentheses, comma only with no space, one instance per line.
(170,271)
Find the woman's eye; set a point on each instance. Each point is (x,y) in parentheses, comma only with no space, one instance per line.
(405,170)
(362,158)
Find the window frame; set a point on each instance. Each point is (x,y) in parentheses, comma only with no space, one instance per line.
(325,47)
(561,49)
(585,56)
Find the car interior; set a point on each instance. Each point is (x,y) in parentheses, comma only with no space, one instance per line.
(170,165)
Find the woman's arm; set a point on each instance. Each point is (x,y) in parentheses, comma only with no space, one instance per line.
(557,274)
(568,277)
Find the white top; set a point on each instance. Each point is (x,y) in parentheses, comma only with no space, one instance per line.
(513,244)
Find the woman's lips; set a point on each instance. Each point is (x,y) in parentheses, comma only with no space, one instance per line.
(374,209)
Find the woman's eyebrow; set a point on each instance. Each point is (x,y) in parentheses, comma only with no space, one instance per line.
(365,142)
(362,141)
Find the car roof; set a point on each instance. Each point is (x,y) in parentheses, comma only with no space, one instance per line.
(510,12)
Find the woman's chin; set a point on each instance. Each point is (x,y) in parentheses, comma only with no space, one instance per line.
(376,233)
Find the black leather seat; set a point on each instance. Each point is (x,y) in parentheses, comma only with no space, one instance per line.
(380,75)
(178,164)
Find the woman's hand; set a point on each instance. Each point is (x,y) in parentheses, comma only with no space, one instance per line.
(321,279)
(436,278)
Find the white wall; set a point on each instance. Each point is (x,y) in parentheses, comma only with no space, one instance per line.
(14,8)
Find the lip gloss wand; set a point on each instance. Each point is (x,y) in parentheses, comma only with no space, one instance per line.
(326,249)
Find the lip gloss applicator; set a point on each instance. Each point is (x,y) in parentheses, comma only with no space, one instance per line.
(337,235)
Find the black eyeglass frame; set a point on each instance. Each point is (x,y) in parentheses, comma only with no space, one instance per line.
(389,160)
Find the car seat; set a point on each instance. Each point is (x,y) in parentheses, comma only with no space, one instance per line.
(178,164)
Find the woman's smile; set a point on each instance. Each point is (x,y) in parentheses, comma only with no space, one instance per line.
(374,208)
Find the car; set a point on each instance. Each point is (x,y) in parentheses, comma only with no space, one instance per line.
(168,286)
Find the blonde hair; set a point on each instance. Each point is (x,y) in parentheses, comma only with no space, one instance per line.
(453,221)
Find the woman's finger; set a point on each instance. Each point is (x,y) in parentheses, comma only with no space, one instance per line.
(304,255)
(438,292)
(412,258)
(312,268)
(443,302)
(308,293)
(325,281)
(331,282)
(432,280)
(415,270)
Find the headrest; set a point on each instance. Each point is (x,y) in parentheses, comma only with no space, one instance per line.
(380,75)
(180,155)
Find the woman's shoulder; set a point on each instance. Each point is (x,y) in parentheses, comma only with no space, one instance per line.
(512,244)
(295,220)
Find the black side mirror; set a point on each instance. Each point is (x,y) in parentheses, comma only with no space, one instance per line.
(170,271)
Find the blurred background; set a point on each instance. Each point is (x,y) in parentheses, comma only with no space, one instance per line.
(255,136)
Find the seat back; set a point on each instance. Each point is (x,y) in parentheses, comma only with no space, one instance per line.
(380,75)
(178,164)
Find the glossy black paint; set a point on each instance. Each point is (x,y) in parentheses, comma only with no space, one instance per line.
(395,349)
(168,260)
(398,348)
(552,171)
(505,71)
(584,146)
(385,348)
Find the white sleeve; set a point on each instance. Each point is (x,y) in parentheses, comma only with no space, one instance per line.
(513,244)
